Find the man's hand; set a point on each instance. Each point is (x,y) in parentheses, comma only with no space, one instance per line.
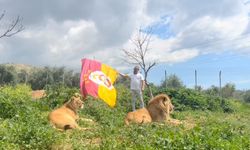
(142,85)
(123,75)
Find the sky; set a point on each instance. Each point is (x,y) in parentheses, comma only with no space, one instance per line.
(188,35)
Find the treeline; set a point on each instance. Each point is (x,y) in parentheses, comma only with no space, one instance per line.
(227,91)
(174,82)
(38,78)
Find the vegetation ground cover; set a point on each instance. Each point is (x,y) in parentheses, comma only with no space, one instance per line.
(215,123)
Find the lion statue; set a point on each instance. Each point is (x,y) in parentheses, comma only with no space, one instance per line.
(66,116)
(158,110)
(38,94)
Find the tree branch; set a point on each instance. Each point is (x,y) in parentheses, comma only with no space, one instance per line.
(13,28)
(2,15)
(138,54)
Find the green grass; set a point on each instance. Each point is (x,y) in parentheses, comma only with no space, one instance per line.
(26,125)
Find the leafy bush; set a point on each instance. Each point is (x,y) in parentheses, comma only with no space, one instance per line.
(246,96)
(186,99)
(13,100)
(204,137)
(22,124)
(56,95)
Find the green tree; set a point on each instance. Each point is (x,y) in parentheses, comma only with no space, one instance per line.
(40,78)
(22,76)
(76,79)
(213,91)
(7,75)
(58,74)
(228,90)
(67,78)
(173,81)
(198,88)
(246,96)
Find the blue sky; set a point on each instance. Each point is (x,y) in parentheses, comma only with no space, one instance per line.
(234,70)
(208,36)
(234,66)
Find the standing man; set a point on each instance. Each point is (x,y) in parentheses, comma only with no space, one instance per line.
(136,86)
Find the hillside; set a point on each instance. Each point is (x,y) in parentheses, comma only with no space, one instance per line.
(22,67)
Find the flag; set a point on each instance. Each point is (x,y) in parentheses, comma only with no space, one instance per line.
(97,80)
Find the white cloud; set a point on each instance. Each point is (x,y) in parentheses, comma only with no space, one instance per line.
(57,35)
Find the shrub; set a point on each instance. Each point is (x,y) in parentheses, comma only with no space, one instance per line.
(22,124)
(186,99)
(13,100)
(56,95)
(246,96)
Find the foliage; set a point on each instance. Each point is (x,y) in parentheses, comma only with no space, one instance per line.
(38,78)
(13,100)
(213,90)
(228,90)
(186,99)
(50,76)
(247,96)
(22,124)
(27,127)
(56,95)
(172,82)
(7,75)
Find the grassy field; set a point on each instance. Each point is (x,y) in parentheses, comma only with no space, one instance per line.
(24,125)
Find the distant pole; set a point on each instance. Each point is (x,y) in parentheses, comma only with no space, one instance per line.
(63,78)
(195,74)
(220,82)
(1,78)
(26,78)
(165,79)
(47,78)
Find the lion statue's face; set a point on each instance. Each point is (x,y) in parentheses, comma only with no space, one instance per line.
(76,101)
(160,107)
(167,106)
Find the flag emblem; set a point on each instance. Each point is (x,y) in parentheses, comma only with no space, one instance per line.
(100,78)
(97,80)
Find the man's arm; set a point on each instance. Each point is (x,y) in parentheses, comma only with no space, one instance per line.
(123,75)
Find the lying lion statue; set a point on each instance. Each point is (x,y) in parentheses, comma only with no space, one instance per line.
(66,116)
(158,110)
(37,94)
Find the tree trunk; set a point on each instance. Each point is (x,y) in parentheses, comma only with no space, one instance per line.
(150,91)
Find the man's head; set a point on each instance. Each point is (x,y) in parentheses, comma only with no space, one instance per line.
(136,69)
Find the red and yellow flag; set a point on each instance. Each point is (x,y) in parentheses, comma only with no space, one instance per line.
(97,80)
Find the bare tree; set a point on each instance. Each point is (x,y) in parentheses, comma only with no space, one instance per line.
(137,55)
(12,28)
